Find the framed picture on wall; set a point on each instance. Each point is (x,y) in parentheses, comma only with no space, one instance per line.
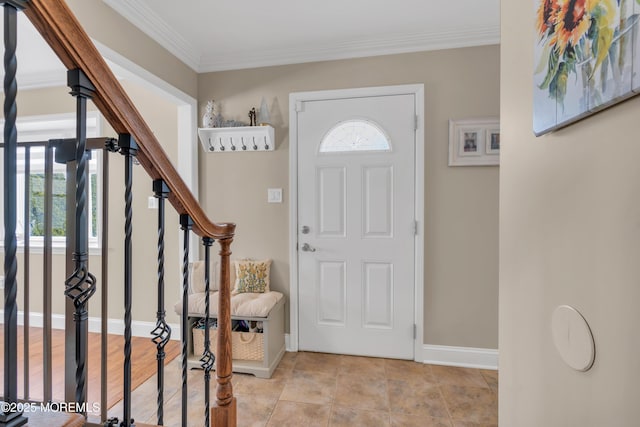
(586,58)
(493,141)
(474,142)
(468,139)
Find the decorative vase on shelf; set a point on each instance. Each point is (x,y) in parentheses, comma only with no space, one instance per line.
(264,118)
(209,116)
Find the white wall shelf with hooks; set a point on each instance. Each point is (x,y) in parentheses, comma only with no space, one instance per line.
(237,139)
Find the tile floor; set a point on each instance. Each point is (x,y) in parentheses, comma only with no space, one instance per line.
(315,389)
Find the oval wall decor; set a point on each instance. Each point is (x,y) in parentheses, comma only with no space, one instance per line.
(573,338)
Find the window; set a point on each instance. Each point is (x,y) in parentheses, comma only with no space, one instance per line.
(42,128)
(355,135)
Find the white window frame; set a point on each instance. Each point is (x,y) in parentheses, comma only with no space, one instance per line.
(42,128)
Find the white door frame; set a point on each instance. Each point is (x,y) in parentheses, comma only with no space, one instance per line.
(295,103)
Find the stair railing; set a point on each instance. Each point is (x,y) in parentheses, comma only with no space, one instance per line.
(89,77)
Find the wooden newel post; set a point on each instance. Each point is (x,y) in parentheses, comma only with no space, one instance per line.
(223,413)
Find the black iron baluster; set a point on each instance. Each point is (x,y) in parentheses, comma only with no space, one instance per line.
(109,147)
(47,342)
(81,285)
(10,208)
(186,224)
(129,148)
(162,331)
(208,359)
(26,231)
(65,153)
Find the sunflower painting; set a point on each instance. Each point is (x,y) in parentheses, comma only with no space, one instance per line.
(586,57)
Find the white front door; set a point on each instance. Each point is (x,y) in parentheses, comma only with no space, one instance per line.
(356,225)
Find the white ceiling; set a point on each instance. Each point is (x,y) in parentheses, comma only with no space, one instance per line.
(226,34)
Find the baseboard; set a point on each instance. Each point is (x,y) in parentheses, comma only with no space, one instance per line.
(114,326)
(287,343)
(466,357)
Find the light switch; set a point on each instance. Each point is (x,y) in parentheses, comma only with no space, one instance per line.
(153,202)
(274,195)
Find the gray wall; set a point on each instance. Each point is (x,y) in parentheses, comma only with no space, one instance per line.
(569,234)
(461,219)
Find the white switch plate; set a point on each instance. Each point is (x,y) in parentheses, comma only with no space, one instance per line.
(153,202)
(274,195)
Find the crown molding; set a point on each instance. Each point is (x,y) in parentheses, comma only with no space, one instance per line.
(426,41)
(152,25)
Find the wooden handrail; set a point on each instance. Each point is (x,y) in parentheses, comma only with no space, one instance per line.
(62,31)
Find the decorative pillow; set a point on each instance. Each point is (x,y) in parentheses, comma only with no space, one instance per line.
(252,276)
(196,277)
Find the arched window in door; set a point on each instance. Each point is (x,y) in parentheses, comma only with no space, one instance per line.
(355,135)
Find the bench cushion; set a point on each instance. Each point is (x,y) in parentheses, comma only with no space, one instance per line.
(242,305)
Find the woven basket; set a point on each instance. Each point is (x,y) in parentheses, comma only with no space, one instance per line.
(244,345)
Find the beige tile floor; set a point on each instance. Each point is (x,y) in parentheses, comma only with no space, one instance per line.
(315,389)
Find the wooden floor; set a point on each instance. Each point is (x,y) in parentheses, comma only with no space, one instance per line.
(143,364)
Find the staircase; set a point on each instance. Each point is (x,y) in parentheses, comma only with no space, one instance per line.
(90,79)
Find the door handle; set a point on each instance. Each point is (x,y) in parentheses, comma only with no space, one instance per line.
(307,248)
